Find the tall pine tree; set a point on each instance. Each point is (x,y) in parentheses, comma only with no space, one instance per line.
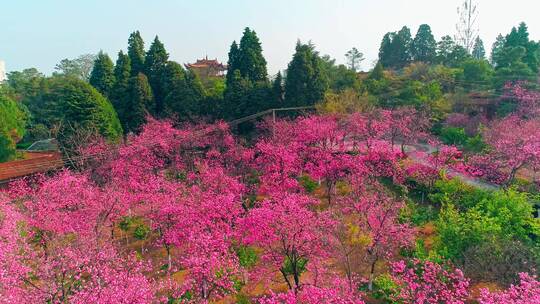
(479,52)
(136,53)
(496,49)
(102,76)
(306,83)
(155,62)
(424,46)
(247,88)
(520,38)
(251,62)
(185,93)
(233,62)
(139,100)
(395,50)
(277,91)
(119,98)
(236,96)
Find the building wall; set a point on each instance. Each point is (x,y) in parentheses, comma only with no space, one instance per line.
(2,71)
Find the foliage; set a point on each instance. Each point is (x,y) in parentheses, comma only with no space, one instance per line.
(478,51)
(500,261)
(385,288)
(102,76)
(306,81)
(80,67)
(136,53)
(354,59)
(395,49)
(423,47)
(339,77)
(154,64)
(139,103)
(13,120)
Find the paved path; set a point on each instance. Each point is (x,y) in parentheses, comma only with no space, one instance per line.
(475,182)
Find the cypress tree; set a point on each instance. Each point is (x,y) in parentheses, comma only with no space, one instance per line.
(186,96)
(306,82)
(173,73)
(236,96)
(520,38)
(377,73)
(445,47)
(155,62)
(139,99)
(479,52)
(385,50)
(395,50)
(402,47)
(136,53)
(233,62)
(424,46)
(102,75)
(277,91)
(251,62)
(496,49)
(122,73)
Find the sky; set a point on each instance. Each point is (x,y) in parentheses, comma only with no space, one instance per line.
(39,33)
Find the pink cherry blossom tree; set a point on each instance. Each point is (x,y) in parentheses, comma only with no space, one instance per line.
(515,144)
(527,292)
(376,215)
(292,237)
(425,282)
(337,293)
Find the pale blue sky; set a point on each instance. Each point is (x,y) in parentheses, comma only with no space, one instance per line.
(39,33)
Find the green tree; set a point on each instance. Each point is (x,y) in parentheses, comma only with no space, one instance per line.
(75,105)
(496,49)
(444,49)
(479,52)
(79,68)
(251,62)
(236,96)
(477,73)
(354,59)
(102,75)
(233,62)
(511,66)
(459,231)
(378,72)
(277,90)
(155,62)
(520,38)
(424,46)
(185,100)
(139,100)
(251,92)
(26,82)
(173,73)
(339,76)
(385,50)
(306,82)
(136,53)
(119,94)
(13,120)
(395,50)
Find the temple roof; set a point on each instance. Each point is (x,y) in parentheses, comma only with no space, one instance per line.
(207,63)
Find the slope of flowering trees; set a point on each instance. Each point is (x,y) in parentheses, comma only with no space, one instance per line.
(313,210)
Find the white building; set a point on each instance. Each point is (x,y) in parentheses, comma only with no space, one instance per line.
(2,71)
